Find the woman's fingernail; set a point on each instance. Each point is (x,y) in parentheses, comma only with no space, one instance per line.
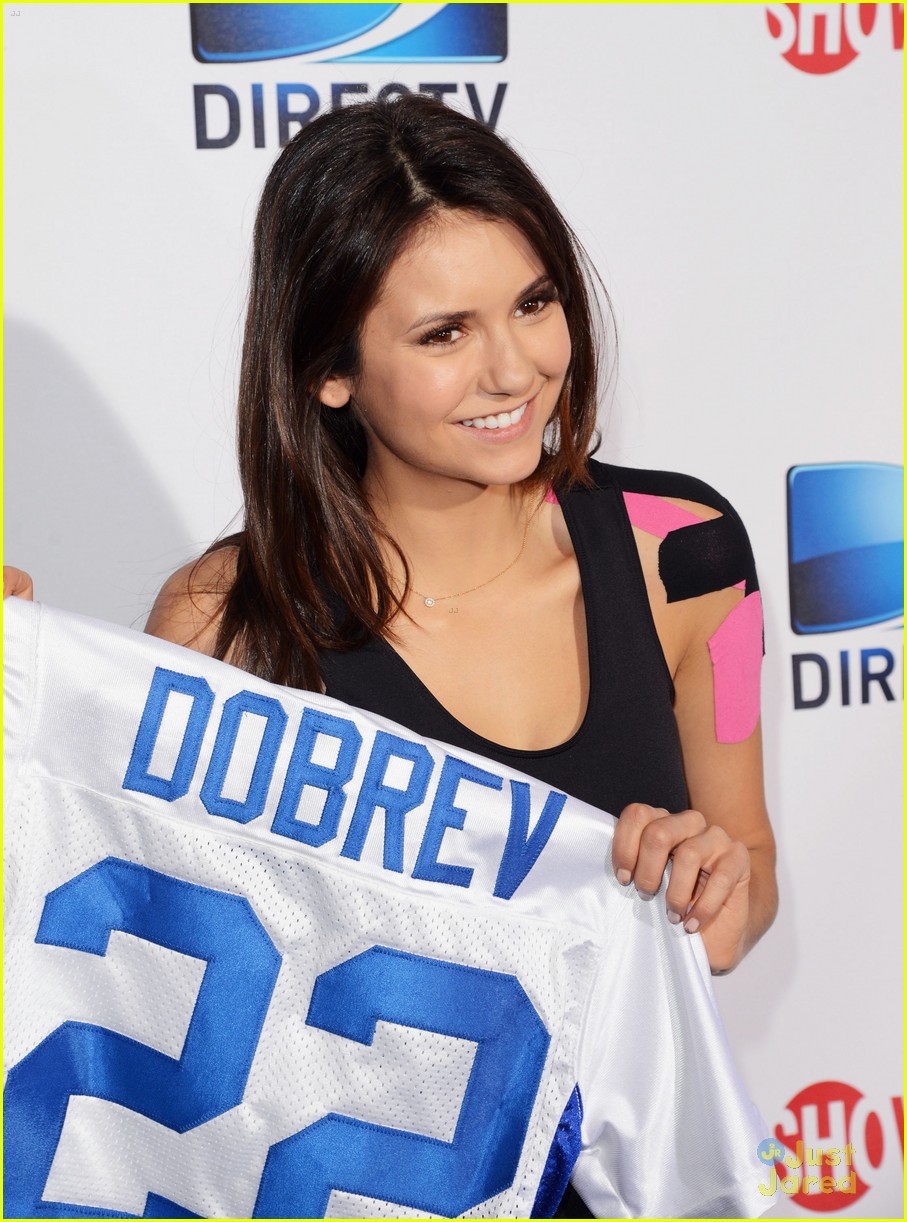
(645,895)
(691,925)
(623,877)
(674,917)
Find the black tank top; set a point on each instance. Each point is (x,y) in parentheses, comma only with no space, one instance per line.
(627,748)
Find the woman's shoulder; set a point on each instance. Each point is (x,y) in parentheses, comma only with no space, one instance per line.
(190,604)
(666,485)
(703,545)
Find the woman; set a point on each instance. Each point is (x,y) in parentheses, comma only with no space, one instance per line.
(425,534)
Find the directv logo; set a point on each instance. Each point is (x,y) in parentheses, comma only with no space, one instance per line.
(846,545)
(350,33)
(232,35)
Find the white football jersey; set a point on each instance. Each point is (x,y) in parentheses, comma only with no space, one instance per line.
(271,956)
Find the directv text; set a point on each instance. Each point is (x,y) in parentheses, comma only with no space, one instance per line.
(849,677)
(221,116)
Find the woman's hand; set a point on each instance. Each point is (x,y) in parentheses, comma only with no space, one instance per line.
(709,887)
(17,583)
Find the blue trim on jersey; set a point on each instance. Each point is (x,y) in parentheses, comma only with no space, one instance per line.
(562,1156)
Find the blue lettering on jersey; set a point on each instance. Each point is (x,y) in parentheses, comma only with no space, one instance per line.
(304,772)
(210,1076)
(522,849)
(253,804)
(374,792)
(407,1168)
(445,814)
(520,852)
(138,774)
(83,1059)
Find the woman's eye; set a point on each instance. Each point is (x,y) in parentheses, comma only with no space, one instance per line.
(533,305)
(443,335)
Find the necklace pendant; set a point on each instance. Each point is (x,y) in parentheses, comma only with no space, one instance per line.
(429,602)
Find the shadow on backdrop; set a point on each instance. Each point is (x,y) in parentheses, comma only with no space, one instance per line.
(85,513)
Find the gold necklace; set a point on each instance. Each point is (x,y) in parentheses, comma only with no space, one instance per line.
(443,598)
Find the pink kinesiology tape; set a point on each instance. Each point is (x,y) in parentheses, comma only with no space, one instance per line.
(735,648)
(736,653)
(657,516)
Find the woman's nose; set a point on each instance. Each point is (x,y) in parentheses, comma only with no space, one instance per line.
(508,368)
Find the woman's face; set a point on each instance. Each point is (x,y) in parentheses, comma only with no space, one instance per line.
(462,357)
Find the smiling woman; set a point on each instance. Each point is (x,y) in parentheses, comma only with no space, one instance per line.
(427,537)
(396,249)
(496,369)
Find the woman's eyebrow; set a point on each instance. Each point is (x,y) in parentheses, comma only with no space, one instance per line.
(539,282)
(456,316)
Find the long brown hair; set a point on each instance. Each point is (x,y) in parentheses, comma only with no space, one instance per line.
(341,203)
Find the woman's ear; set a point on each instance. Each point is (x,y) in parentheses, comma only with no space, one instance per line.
(335,392)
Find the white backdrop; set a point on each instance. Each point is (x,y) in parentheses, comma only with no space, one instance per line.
(739,186)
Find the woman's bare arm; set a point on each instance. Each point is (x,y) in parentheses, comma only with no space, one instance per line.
(189,606)
(722,849)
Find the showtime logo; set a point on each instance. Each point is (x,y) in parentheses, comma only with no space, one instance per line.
(822,38)
(832,1116)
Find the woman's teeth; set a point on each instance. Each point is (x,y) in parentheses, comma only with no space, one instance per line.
(502,420)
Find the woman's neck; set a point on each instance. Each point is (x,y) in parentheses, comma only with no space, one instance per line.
(453,534)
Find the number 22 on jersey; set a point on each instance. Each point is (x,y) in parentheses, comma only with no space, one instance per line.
(210,1076)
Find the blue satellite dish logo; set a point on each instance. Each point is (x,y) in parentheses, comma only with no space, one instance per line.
(350,33)
(846,545)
